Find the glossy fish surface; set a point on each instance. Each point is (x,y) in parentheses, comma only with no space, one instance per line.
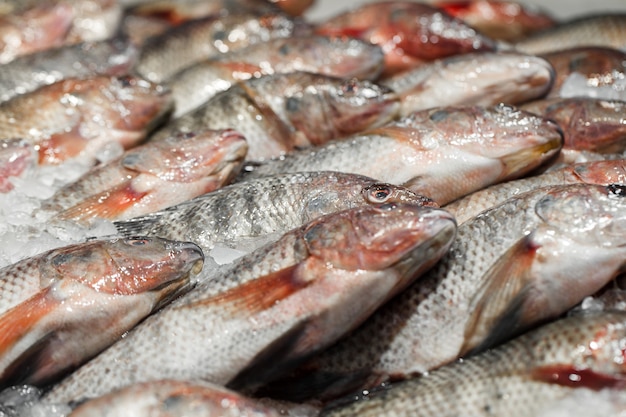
(578,355)
(151,177)
(339,57)
(63,306)
(523,262)
(281,112)
(279,303)
(486,144)
(77,117)
(244,211)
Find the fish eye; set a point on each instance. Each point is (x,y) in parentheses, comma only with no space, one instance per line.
(439,115)
(378,193)
(126,81)
(618,190)
(349,87)
(136,242)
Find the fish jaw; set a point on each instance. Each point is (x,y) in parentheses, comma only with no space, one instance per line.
(16,156)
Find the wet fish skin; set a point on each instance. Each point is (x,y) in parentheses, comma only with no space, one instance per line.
(607,30)
(76,117)
(278,113)
(502,20)
(481,78)
(63,306)
(27,73)
(594,172)
(405,31)
(41,27)
(174,398)
(95,20)
(16,157)
(279,304)
(196,40)
(151,177)
(500,276)
(488,144)
(518,379)
(243,212)
(597,66)
(339,57)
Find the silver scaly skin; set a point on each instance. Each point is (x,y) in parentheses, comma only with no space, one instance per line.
(519,379)
(276,305)
(243,213)
(443,153)
(524,261)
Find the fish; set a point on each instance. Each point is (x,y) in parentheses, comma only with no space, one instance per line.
(487,144)
(196,40)
(17,156)
(592,128)
(94,20)
(61,307)
(588,71)
(77,117)
(593,172)
(507,21)
(27,73)
(280,112)
(574,356)
(409,33)
(480,78)
(514,266)
(243,213)
(151,177)
(35,29)
(275,306)
(169,397)
(606,30)
(338,57)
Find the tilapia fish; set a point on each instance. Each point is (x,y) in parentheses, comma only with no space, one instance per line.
(442,153)
(16,156)
(196,40)
(278,113)
(339,57)
(164,398)
(410,33)
(35,29)
(575,355)
(75,118)
(246,211)
(589,125)
(481,78)
(588,71)
(520,263)
(276,305)
(152,177)
(63,306)
(29,72)
(502,20)
(595,172)
(608,30)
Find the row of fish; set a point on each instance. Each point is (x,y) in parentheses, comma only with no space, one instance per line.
(253,214)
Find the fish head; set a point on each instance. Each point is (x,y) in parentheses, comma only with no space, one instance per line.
(331,110)
(518,140)
(188,157)
(378,236)
(126,266)
(115,56)
(592,214)
(601,172)
(140,104)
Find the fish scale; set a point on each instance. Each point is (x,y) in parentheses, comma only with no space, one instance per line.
(278,304)
(509,380)
(243,213)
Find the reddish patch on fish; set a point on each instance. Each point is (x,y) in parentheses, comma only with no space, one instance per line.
(262,293)
(570,376)
(60,147)
(20,320)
